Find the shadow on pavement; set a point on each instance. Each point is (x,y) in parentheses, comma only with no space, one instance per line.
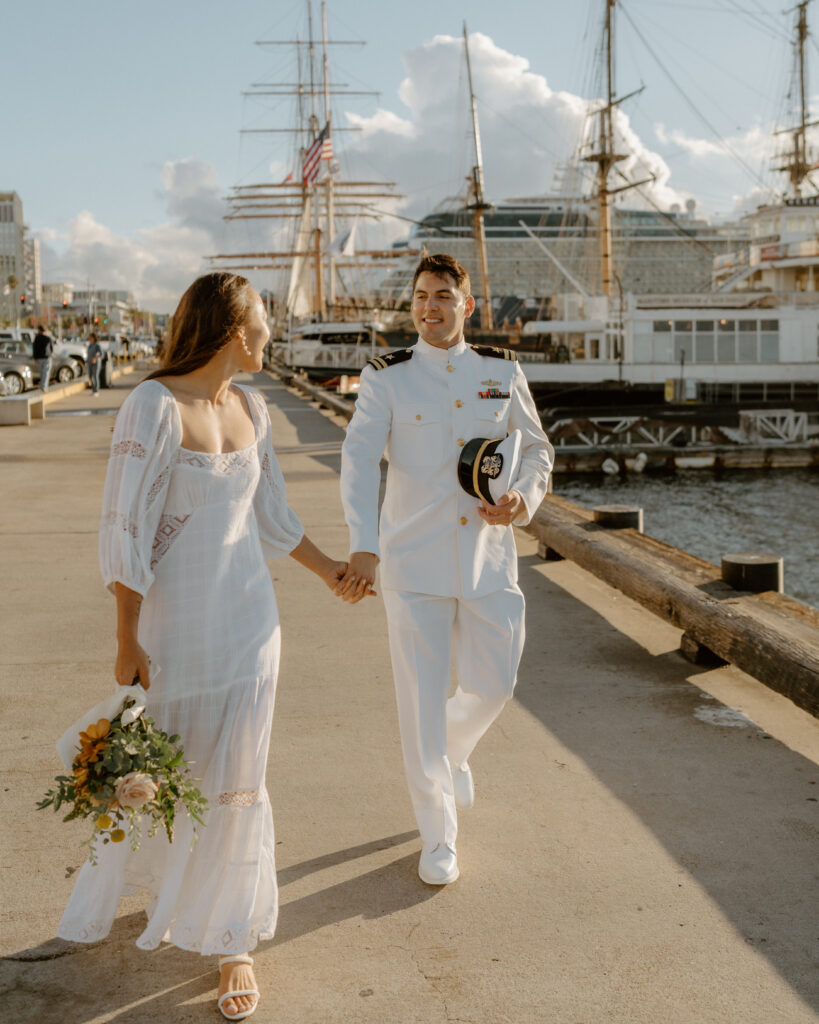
(68,983)
(734,807)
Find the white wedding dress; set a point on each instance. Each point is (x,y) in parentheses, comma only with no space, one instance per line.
(191,531)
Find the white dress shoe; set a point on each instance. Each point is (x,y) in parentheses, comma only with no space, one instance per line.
(438,864)
(463,787)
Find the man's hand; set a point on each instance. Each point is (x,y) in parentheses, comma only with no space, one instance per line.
(508,508)
(359,579)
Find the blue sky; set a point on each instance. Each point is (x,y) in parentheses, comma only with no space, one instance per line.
(124,130)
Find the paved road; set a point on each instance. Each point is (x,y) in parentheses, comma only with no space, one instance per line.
(643,846)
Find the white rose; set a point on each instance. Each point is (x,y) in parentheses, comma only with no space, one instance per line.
(135,790)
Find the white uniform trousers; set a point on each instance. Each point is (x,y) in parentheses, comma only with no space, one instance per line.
(484,637)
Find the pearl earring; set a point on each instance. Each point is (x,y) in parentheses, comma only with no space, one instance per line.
(244,346)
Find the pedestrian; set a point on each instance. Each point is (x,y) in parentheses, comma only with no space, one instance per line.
(94,362)
(194,503)
(42,351)
(448,561)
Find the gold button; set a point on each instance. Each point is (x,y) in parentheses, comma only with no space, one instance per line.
(458,403)
(461,442)
(463,520)
(418,417)
(449,368)
(496,415)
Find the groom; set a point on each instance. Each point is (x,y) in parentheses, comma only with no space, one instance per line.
(449,564)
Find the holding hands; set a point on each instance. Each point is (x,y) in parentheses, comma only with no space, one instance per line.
(357,582)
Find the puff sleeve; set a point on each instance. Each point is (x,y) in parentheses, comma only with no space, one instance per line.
(280,529)
(147,435)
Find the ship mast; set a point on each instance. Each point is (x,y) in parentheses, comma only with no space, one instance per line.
(797,163)
(314,265)
(478,205)
(606,157)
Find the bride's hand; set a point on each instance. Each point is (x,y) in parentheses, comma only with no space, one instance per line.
(133,664)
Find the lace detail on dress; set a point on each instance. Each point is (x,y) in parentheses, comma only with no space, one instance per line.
(240,798)
(169,529)
(268,473)
(156,487)
(133,448)
(222,462)
(118,519)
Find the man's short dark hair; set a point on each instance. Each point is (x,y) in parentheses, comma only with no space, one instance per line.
(443,265)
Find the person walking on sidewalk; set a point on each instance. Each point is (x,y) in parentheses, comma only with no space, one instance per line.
(448,561)
(94,360)
(194,504)
(42,350)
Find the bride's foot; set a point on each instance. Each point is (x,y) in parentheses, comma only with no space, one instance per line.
(238,995)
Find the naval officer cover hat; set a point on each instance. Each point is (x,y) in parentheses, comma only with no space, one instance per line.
(488,467)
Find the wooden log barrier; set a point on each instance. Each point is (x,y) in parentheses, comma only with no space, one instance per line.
(772,637)
(318,394)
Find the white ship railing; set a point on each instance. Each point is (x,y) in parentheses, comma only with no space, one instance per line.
(765,426)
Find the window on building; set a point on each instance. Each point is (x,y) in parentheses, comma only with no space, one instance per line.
(684,349)
(747,348)
(769,347)
(726,325)
(705,325)
(661,326)
(726,348)
(704,347)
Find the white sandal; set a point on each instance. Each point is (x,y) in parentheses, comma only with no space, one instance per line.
(239,992)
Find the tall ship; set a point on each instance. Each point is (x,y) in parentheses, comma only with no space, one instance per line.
(609,305)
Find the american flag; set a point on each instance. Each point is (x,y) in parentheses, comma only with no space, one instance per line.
(320,149)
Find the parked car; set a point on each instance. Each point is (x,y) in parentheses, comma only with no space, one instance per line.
(74,348)
(3,386)
(17,374)
(63,368)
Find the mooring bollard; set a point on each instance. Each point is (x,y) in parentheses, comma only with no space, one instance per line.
(619,517)
(755,572)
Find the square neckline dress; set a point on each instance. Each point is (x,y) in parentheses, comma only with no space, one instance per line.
(191,532)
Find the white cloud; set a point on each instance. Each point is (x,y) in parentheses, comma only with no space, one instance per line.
(160,262)
(527,130)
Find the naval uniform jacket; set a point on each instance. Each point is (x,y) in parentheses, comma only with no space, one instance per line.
(421,406)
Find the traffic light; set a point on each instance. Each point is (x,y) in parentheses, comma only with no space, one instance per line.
(96,319)
(22,300)
(65,303)
(105,319)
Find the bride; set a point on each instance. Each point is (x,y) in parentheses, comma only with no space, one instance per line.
(194,504)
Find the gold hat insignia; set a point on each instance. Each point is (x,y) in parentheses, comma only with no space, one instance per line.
(491,383)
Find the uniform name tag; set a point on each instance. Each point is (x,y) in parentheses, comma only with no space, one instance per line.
(494,393)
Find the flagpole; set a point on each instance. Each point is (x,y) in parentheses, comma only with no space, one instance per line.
(331,229)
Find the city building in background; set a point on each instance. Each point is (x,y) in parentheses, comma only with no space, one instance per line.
(32,281)
(12,258)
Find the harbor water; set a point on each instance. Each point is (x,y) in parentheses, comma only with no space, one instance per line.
(710,515)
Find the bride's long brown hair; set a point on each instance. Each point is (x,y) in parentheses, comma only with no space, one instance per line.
(208,315)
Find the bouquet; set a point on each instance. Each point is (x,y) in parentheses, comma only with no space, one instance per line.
(125,769)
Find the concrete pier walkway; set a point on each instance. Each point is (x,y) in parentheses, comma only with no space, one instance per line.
(643,848)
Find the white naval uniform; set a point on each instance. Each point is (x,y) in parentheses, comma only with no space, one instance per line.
(449,578)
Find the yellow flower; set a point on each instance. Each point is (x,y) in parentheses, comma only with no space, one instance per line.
(98,731)
(104,821)
(117,835)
